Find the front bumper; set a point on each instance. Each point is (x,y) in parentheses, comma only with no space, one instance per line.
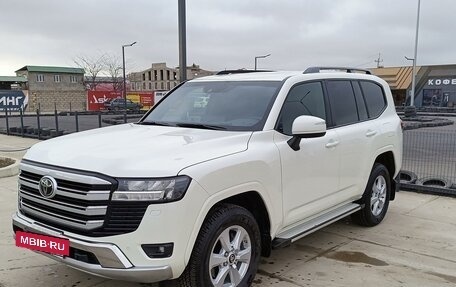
(112,263)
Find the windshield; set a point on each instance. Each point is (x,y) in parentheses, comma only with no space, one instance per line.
(234,106)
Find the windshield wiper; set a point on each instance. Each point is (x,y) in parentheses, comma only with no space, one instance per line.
(149,123)
(200,126)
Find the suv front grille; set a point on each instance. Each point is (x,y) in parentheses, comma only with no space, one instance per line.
(81,203)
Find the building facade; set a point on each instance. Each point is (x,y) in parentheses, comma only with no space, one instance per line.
(162,78)
(54,87)
(435,85)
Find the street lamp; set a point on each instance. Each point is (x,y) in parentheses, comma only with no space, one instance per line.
(123,69)
(413,78)
(260,57)
(412,99)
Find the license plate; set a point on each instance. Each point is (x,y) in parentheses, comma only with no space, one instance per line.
(43,243)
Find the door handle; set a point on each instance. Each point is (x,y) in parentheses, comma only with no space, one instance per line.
(371,133)
(332,144)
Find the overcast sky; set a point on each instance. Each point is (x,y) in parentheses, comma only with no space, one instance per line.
(227,34)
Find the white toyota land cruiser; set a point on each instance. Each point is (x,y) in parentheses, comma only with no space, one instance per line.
(224,169)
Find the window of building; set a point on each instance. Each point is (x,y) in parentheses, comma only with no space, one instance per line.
(168,85)
(149,75)
(73,79)
(132,86)
(161,75)
(162,86)
(343,103)
(155,75)
(144,77)
(138,86)
(144,86)
(150,86)
(156,85)
(168,75)
(375,99)
(40,78)
(174,76)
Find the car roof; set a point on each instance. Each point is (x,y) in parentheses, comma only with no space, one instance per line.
(260,76)
(283,75)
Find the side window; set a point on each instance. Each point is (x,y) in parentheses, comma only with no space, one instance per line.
(375,99)
(360,103)
(343,104)
(303,99)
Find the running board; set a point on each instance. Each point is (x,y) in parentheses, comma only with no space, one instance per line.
(287,237)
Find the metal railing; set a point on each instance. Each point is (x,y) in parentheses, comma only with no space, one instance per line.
(429,160)
(53,124)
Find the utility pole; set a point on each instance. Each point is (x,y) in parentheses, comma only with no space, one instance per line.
(182,41)
(378,61)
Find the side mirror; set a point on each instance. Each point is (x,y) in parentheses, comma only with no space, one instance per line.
(306,127)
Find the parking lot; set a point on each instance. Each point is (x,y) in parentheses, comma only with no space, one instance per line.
(414,246)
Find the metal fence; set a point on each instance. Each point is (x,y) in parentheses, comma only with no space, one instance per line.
(48,125)
(429,158)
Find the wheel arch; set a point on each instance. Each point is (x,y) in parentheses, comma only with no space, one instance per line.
(387,159)
(253,202)
(250,200)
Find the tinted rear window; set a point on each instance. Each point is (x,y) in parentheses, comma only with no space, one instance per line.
(343,102)
(375,98)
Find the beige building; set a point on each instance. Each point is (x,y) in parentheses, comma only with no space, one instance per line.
(160,77)
(435,84)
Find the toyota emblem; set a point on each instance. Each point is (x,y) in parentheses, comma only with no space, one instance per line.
(47,186)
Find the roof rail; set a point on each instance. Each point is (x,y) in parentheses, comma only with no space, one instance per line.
(346,69)
(240,71)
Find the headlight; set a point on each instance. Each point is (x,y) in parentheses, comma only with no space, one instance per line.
(154,189)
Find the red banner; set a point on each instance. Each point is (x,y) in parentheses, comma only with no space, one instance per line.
(48,244)
(96,99)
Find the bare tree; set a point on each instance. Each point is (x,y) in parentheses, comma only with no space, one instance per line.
(92,67)
(113,68)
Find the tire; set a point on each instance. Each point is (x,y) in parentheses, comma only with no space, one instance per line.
(435,181)
(376,197)
(225,221)
(408,177)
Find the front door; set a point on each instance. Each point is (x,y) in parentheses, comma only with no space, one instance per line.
(310,175)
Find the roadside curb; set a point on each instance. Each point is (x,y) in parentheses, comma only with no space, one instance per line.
(9,170)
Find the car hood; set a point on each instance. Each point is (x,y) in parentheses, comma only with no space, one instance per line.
(133,150)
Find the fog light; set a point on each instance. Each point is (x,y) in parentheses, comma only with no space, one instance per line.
(158,250)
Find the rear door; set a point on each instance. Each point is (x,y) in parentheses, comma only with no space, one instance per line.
(356,133)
